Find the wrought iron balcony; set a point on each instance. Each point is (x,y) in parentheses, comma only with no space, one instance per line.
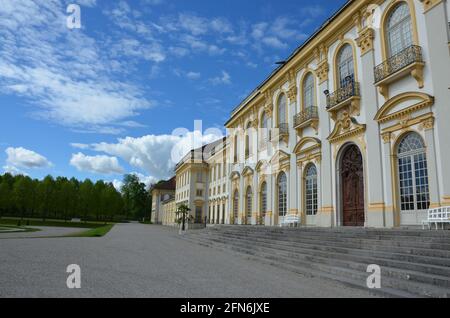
(304,117)
(351,89)
(399,61)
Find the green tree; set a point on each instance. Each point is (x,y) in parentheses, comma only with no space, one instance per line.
(136,197)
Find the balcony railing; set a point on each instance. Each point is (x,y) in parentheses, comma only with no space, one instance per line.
(397,62)
(352,89)
(309,113)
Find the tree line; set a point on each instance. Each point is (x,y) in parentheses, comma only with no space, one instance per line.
(63,198)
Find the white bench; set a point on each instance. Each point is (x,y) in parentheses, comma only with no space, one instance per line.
(437,216)
(289,220)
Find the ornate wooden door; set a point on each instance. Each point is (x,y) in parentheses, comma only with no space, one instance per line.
(352,177)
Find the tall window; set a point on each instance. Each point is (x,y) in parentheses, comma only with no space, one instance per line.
(399,29)
(413,174)
(311,190)
(308,91)
(248,140)
(263,200)
(236,206)
(346,67)
(282,194)
(282,102)
(264,130)
(248,206)
(236,147)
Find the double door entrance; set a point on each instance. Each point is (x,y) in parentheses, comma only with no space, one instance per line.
(352,187)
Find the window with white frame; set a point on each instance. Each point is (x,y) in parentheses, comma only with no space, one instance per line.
(413,174)
(263,199)
(282,103)
(308,91)
(346,69)
(399,29)
(311,190)
(249,197)
(282,194)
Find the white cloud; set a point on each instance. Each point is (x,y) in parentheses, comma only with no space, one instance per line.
(96,164)
(65,75)
(156,155)
(13,171)
(24,158)
(224,78)
(87,3)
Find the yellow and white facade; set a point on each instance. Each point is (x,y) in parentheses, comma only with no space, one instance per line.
(351,130)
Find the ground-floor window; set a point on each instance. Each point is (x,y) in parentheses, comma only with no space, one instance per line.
(263,200)
(311,190)
(249,197)
(282,194)
(413,174)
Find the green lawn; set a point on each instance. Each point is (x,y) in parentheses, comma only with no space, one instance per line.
(13,229)
(49,222)
(93,229)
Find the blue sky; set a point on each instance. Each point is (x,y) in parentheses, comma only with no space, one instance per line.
(104,100)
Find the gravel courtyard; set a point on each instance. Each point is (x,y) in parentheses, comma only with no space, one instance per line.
(136,260)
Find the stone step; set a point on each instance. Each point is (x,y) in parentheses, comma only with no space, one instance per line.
(391,285)
(340,231)
(432,274)
(361,241)
(334,234)
(398,255)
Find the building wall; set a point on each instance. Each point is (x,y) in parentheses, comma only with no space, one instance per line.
(414,99)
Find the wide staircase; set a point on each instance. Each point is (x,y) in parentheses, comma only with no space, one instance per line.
(413,263)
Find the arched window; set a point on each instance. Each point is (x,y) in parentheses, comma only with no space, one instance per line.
(399,29)
(308,91)
(282,104)
(346,69)
(264,128)
(413,174)
(263,200)
(248,143)
(248,205)
(236,147)
(236,206)
(282,194)
(311,190)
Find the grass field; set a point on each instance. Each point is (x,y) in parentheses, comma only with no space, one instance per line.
(93,229)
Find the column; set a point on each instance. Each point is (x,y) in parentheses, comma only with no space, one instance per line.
(432,165)
(369,106)
(325,213)
(391,220)
(438,61)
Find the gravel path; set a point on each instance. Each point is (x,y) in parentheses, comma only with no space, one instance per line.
(147,261)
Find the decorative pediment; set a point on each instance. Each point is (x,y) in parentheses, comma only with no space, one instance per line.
(308,149)
(279,157)
(346,127)
(247,171)
(403,105)
(261,165)
(307,144)
(281,160)
(235,175)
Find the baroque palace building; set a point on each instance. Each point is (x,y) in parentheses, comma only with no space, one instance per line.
(352,130)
